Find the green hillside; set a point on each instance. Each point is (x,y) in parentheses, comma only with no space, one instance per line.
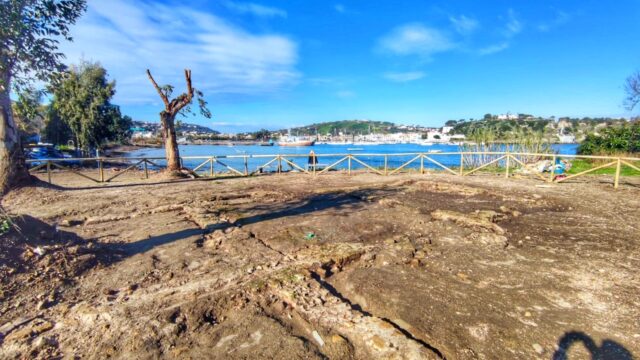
(508,129)
(348,127)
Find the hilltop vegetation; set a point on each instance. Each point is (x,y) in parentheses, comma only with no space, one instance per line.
(613,140)
(181,127)
(347,127)
(505,129)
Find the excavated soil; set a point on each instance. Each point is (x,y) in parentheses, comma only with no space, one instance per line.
(336,266)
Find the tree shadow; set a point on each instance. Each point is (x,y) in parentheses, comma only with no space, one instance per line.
(37,182)
(340,200)
(609,350)
(32,244)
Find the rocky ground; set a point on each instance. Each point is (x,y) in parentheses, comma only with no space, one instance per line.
(337,266)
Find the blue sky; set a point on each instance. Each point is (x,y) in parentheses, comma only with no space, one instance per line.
(275,64)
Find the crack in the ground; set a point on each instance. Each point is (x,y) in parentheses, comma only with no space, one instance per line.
(356,307)
(264,243)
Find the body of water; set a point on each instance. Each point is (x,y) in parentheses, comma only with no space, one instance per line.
(357,150)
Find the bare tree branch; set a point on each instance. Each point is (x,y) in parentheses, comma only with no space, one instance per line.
(162,95)
(184,99)
(632,88)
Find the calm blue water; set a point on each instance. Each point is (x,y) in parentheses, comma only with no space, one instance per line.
(375,161)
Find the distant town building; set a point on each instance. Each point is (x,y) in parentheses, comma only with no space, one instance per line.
(508,116)
(447,129)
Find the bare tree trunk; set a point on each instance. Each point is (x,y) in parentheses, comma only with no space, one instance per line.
(170,141)
(13,169)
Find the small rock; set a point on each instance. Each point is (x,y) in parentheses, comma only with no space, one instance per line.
(43,342)
(527,314)
(538,348)
(378,342)
(317,338)
(32,330)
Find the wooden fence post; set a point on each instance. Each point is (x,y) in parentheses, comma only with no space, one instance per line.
(279,164)
(211,167)
(101,167)
(422,164)
(506,174)
(146,169)
(616,180)
(386,161)
(553,168)
(461,164)
(349,162)
(246,166)
(49,171)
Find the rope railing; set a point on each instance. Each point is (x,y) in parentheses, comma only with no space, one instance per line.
(455,163)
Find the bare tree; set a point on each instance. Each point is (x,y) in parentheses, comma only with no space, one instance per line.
(632,88)
(178,105)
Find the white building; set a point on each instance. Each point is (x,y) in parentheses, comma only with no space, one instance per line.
(508,116)
(447,129)
(142,135)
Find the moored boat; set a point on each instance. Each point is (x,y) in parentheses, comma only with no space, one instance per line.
(297,143)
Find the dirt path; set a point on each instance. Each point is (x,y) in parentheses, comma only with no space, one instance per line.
(361,267)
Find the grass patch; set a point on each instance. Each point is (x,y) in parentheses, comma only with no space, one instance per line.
(580,165)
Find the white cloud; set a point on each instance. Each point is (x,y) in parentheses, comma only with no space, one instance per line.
(561,18)
(255,9)
(464,25)
(229,124)
(128,38)
(340,8)
(514,25)
(415,39)
(345,94)
(405,76)
(492,49)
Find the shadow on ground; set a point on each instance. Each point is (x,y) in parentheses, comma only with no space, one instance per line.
(339,200)
(609,350)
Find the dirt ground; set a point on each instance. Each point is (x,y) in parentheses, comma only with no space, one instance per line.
(340,267)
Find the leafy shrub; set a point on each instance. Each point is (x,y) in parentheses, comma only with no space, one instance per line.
(612,140)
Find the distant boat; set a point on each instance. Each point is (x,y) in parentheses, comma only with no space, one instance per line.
(266,143)
(297,143)
(434,151)
(355,149)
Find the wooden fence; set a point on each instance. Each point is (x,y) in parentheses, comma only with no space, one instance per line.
(212,166)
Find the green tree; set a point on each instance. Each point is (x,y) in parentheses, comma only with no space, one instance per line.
(30,33)
(263,135)
(82,97)
(55,131)
(612,140)
(28,112)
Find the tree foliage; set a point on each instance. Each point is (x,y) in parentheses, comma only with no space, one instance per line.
(82,98)
(28,111)
(612,140)
(30,32)
(55,131)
